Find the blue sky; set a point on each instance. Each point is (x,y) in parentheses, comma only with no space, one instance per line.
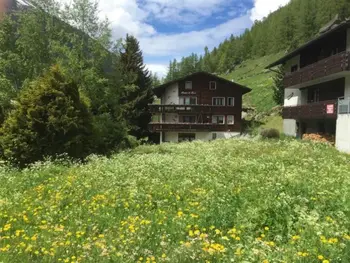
(169,29)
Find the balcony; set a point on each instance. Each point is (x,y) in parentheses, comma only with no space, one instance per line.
(188,127)
(326,67)
(196,109)
(319,110)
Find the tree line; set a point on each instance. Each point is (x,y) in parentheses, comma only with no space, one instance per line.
(66,86)
(283,30)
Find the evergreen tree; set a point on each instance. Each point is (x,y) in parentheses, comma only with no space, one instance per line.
(138,93)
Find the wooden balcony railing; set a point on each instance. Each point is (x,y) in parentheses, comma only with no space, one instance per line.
(319,110)
(157,127)
(328,66)
(205,109)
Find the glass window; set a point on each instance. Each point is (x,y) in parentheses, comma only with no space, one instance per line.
(188,85)
(212,85)
(188,119)
(219,101)
(218,119)
(230,119)
(188,100)
(230,101)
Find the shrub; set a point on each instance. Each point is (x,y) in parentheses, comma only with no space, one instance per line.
(270,134)
(50,119)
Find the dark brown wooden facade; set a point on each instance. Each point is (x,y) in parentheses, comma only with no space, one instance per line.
(204,110)
(317,110)
(334,64)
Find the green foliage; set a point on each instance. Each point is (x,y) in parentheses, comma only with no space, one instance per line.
(138,93)
(245,200)
(270,134)
(49,119)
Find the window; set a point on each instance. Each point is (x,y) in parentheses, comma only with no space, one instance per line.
(218,119)
(187,137)
(212,85)
(230,101)
(214,135)
(294,68)
(219,101)
(188,100)
(188,85)
(230,119)
(188,119)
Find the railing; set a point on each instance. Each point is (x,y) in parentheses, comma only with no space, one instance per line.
(157,126)
(191,109)
(319,110)
(328,66)
(344,106)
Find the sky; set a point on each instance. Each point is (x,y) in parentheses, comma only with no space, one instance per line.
(169,29)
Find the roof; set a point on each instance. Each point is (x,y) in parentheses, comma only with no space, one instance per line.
(332,29)
(160,89)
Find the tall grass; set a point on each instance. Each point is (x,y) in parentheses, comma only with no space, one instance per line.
(223,201)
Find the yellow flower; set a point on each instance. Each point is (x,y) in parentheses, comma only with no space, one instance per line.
(180,214)
(320,257)
(267,228)
(265,261)
(190,233)
(163,256)
(296,238)
(325,261)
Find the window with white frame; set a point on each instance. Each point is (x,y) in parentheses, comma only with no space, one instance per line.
(212,85)
(188,85)
(230,119)
(218,101)
(218,119)
(188,101)
(230,101)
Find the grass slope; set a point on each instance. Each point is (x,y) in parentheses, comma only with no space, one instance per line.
(252,73)
(223,201)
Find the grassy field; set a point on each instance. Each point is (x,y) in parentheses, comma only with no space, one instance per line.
(223,201)
(252,73)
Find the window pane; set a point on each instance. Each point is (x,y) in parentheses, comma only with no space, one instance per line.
(218,120)
(193,101)
(212,85)
(188,85)
(218,101)
(230,101)
(230,119)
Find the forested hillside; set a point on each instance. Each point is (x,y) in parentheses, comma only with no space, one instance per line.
(281,31)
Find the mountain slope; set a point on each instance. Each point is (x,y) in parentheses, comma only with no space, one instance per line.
(252,73)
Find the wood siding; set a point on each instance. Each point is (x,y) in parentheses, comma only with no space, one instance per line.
(195,127)
(323,68)
(318,110)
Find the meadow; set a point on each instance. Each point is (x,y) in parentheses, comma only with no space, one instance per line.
(223,201)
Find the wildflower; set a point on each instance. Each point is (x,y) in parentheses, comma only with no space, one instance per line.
(190,233)
(295,238)
(180,214)
(265,261)
(267,228)
(325,261)
(320,257)
(164,255)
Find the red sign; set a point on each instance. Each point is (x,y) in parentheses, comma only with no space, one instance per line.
(330,109)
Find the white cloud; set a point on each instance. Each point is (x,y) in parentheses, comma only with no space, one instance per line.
(262,8)
(184,43)
(160,69)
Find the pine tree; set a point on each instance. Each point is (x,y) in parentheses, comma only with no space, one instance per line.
(138,93)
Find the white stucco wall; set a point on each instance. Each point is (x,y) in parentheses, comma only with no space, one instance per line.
(292,97)
(171,95)
(171,137)
(348,40)
(343,133)
(290,63)
(290,127)
(201,136)
(343,124)
(171,117)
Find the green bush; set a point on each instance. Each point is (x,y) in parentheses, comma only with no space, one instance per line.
(270,134)
(49,119)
